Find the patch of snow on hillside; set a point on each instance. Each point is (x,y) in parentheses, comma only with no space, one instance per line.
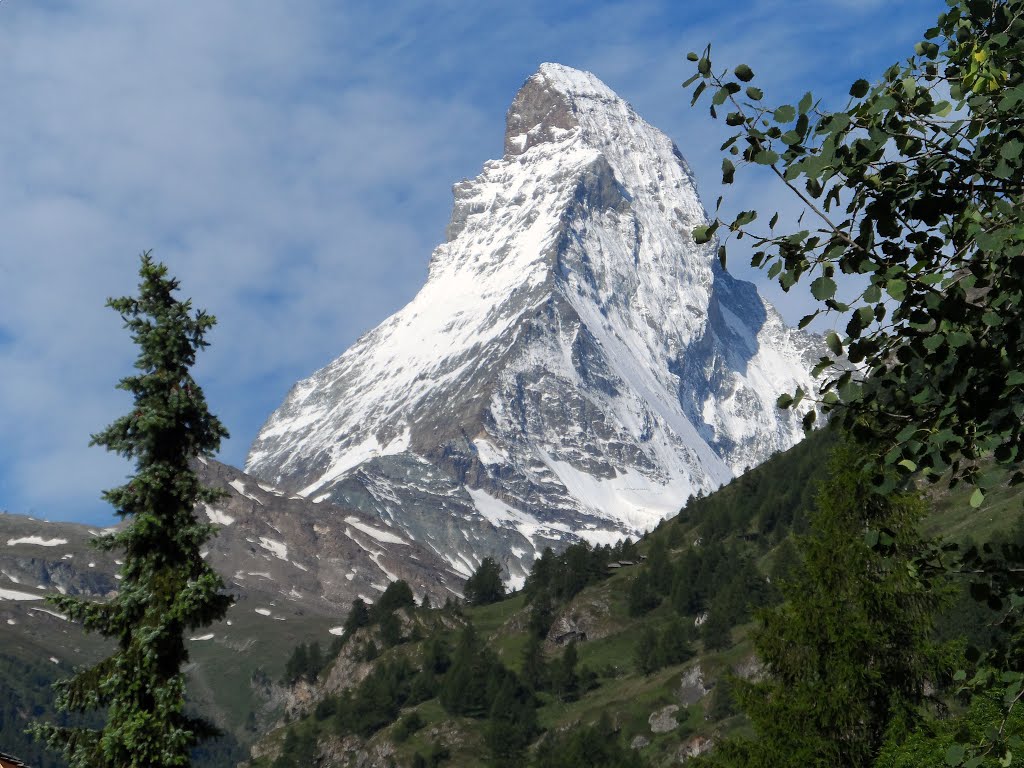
(277,548)
(597,537)
(11,594)
(37,540)
(381,536)
(217,517)
(338,631)
(262,611)
(203,637)
(56,615)
(630,497)
(376,560)
(347,457)
(489,453)
(239,486)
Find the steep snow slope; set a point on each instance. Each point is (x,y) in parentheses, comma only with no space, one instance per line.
(574,366)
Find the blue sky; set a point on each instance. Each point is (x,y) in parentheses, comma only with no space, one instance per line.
(292,164)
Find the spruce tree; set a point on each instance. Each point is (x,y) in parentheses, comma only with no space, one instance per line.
(535,671)
(847,656)
(166,589)
(484,586)
(358,617)
(564,681)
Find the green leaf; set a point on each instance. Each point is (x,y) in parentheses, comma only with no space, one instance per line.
(823,288)
(744,73)
(785,114)
(805,103)
(754,94)
(701,86)
(784,401)
(908,465)
(728,171)
(833,342)
(1011,150)
(704,66)
(766,157)
(691,56)
(897,289)
(807,319)
(977,498)
(955,754)
(702,234)
(860,89)
(957,339)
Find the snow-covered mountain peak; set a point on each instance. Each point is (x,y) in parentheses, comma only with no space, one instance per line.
(549,104)
(575,365)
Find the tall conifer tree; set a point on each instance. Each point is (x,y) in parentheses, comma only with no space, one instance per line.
(166,588)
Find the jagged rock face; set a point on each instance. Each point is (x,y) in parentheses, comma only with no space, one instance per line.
(574,366)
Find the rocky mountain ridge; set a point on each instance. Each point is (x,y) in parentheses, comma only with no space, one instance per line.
(575,366)
(294,577)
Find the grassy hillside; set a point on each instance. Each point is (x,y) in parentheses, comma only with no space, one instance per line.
(693,587)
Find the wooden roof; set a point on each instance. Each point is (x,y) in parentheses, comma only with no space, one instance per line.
(9,761)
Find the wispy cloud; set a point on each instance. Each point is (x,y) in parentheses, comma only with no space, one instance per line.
(292,164)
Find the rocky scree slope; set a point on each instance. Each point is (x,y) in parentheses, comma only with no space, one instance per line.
(294,567)
(574,366)
(271,548)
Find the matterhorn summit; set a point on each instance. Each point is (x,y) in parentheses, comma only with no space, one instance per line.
(575,365)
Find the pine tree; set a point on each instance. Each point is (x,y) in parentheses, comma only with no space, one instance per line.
(511,725)
(542,614)
(535,669)
(565,683)
(358,617)
(646,654)
(847,655)
(716,631)
(297,666)
(484,586)
(397,595)
(315,661)
(167,589)
(465,687)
